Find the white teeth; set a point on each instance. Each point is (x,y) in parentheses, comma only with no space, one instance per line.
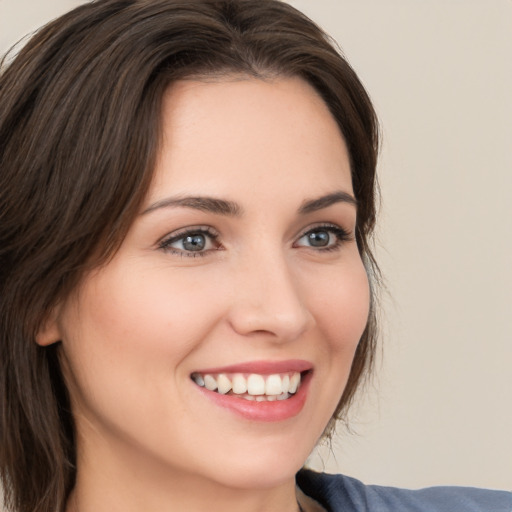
(239,384)
(253,387)
(273,386)
(223,384)
(265,398)
(198,379)
(294,383)
(210,383)
(255,384)
(285,383)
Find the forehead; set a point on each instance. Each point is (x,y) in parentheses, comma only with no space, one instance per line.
(236,133)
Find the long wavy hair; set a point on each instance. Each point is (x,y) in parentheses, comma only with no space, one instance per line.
(80,108)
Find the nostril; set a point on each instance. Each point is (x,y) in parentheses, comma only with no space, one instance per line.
(279,318)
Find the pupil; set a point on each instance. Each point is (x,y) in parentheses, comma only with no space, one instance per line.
(194,242)
(319,238)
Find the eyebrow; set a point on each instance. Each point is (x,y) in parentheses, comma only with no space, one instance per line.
(232,209)
(314,205)
(206,204)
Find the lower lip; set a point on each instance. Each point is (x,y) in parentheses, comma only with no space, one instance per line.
(278,410)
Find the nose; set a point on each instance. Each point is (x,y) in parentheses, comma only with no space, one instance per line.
(268,299)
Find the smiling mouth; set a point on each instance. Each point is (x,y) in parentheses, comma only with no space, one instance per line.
(251,386)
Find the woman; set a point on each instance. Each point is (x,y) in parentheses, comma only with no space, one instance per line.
(187,201)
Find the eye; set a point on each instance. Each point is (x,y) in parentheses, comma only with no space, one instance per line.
(190,242)
(326,237)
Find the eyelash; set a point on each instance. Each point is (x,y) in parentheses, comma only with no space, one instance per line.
(207,232)
(339,233)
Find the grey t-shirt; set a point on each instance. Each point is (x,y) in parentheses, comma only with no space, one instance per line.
(338,493)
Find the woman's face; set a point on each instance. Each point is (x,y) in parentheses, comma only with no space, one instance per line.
(241,271)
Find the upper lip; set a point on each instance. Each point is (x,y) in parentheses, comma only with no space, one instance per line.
(262,367)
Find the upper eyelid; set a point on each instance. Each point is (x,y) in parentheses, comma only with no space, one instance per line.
(181,233)
(325,225)
(208,230)
(211,232)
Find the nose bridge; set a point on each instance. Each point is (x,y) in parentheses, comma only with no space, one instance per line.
(267,297)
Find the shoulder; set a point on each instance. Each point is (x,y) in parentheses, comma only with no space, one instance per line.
(341,493)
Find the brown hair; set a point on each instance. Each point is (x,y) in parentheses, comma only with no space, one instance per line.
(79,131)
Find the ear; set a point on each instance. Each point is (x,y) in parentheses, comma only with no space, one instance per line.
(49,332)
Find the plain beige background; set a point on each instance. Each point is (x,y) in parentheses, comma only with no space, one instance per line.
(440,74)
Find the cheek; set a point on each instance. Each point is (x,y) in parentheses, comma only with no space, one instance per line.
(341,307)
(139,318)
(342,314)
(124,344)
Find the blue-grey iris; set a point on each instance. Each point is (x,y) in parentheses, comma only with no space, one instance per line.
(194,242)
(319,238)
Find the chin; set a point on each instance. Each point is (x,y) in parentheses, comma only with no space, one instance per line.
(261,475)
(266,464)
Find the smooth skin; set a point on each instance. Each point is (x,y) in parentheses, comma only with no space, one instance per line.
(261,282)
